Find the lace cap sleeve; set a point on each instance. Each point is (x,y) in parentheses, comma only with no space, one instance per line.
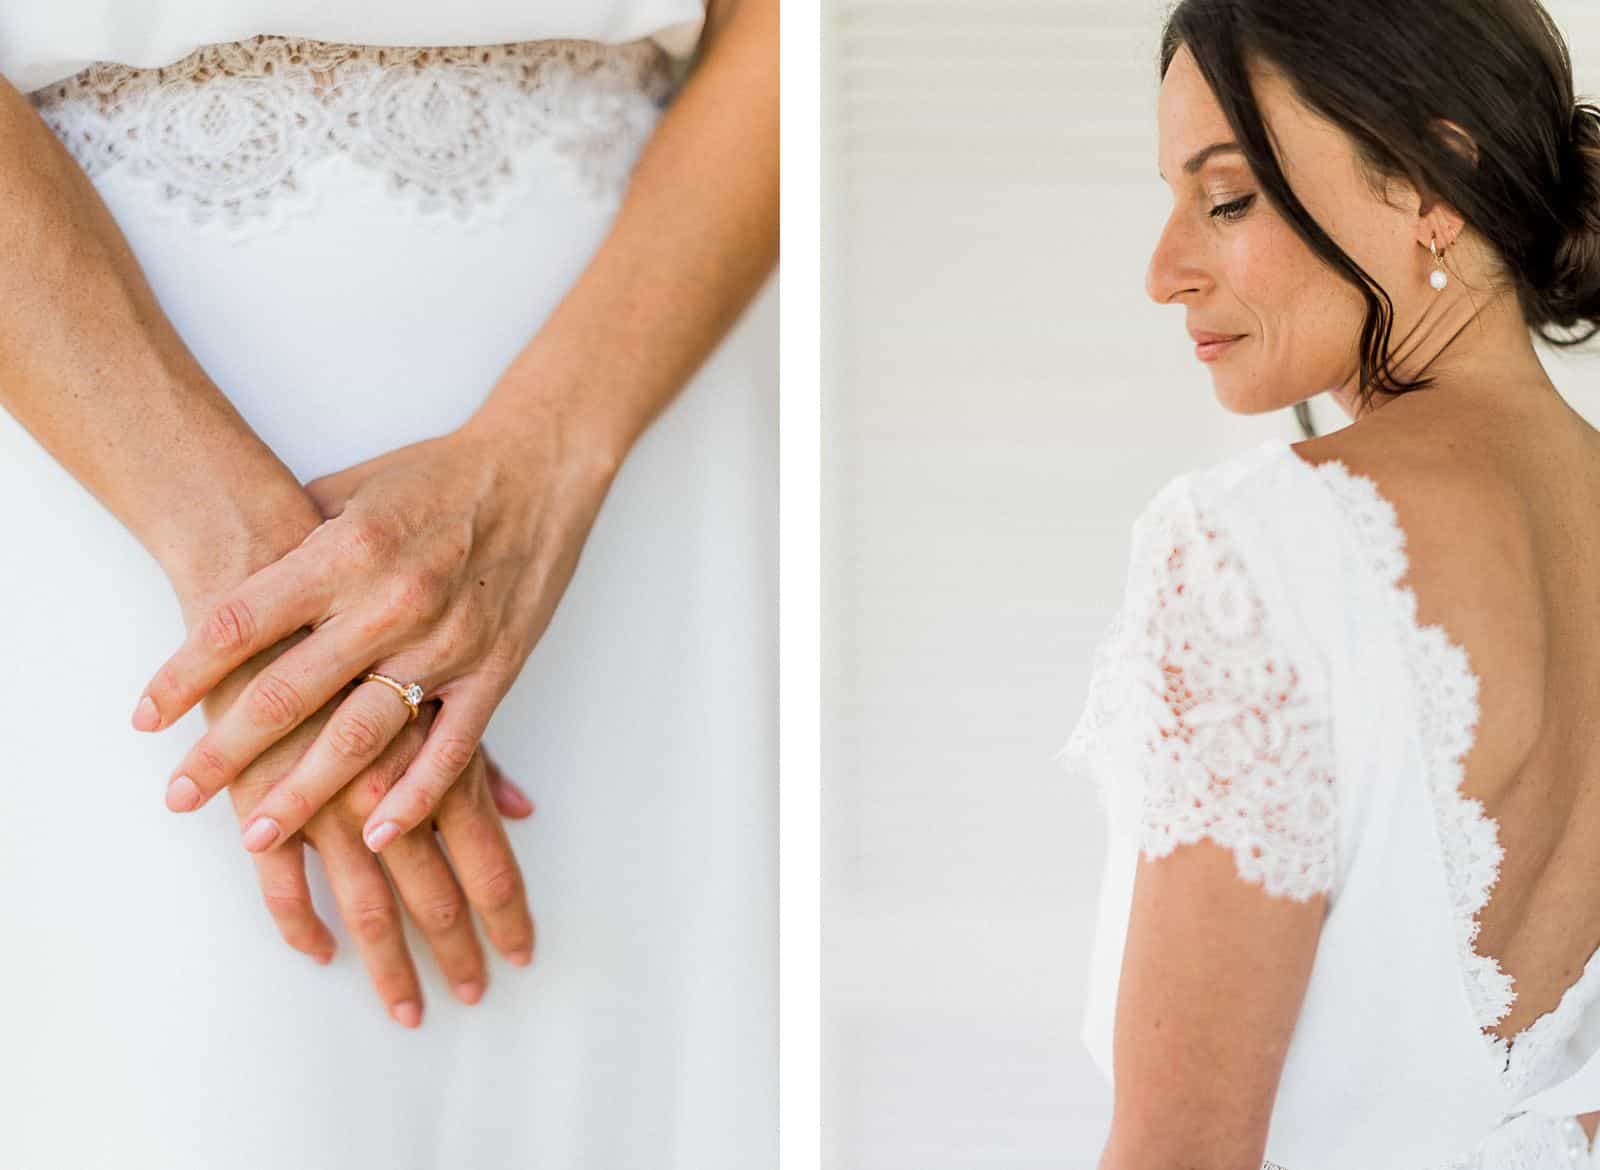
(1208,714)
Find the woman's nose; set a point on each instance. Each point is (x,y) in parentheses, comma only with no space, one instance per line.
(1173,267)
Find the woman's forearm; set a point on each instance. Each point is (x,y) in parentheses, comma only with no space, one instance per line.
(694,238)
(92,368)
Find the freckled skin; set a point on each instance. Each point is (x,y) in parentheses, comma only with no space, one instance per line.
(1256,276)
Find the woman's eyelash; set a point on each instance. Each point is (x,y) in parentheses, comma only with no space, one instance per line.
(1232,211)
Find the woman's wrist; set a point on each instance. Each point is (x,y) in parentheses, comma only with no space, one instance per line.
(236,535)
(529,406)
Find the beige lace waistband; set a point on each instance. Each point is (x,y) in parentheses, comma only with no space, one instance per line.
(235,133)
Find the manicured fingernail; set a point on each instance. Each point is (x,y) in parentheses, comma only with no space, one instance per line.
(145,715)
(521,958)
(382,835)
(183,794)
(470,991)
(407,1012)
(263,831)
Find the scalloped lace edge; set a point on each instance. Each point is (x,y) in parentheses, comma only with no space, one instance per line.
(1448,689)
(1469,836)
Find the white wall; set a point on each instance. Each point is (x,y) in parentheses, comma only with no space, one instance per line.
(1000,400)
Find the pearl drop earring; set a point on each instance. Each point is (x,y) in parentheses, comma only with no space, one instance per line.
(1438,277)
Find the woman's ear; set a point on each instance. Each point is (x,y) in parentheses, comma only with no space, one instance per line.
(1439,224)
(1436,219)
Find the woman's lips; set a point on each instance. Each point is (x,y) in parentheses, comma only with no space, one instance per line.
(1210,351)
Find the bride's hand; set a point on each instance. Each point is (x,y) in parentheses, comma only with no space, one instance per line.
(439,562)
(481,872)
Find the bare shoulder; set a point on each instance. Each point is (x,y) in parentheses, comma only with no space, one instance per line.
(1450,498)
(1471,537)
(1465,517)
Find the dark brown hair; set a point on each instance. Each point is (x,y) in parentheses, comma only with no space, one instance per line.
(1387,72)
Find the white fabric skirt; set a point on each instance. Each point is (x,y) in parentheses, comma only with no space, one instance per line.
(150,1016)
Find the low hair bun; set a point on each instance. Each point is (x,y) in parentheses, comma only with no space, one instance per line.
(1572,295)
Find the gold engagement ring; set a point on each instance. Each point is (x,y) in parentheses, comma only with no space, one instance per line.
(410,692)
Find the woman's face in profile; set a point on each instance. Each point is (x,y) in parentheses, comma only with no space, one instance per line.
(1233,262)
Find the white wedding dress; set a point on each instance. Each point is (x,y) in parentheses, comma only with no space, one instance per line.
(1265,684)
(354,267)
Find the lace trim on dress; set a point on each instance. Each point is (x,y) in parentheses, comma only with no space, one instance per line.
(1199,725)
(1447,690)
(230,133)
(1447,693)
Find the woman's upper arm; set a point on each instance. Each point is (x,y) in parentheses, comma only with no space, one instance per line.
(1214,972)
(1213,740)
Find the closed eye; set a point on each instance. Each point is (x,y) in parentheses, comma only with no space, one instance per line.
(1232,211)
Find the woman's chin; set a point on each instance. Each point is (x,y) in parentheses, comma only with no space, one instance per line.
(1239,397)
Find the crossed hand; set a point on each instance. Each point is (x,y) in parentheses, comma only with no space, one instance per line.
(440,562)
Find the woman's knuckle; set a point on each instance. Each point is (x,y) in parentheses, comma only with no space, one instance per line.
(478,822)
(454,753)
(364,539)
(373,921)
(297,805)
(357,736)
(209,763)
(418,594)
(441,914)
(502,887)
(286,906)
(275,702)
(377,623)
(230,626)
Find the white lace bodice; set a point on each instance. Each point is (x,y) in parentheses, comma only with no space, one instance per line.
(1214,710)
(239,135)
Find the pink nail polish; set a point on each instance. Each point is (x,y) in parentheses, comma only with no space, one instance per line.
(382,835)
(145,715)
(263,831)
(408,1012)
(521,958)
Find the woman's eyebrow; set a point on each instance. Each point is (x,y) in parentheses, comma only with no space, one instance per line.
(1199,157)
